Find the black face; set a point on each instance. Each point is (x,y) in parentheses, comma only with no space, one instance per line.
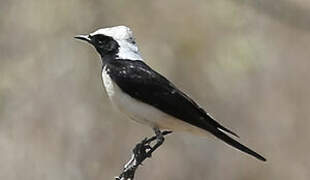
(105,45)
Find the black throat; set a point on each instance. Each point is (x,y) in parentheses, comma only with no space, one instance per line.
(107,58)
(106,46)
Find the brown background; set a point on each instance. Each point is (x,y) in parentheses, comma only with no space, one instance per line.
(246,62)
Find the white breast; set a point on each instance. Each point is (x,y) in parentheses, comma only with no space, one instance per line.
(144,113)
(107,81)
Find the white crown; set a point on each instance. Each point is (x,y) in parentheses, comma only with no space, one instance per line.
(117,32)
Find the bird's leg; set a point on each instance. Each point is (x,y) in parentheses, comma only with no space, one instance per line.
(142,151)
(159,138)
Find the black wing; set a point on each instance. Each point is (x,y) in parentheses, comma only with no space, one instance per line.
(144,84)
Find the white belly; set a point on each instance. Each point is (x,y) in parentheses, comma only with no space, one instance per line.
(144,113)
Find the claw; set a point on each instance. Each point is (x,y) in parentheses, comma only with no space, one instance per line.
(166,132)
(147,147)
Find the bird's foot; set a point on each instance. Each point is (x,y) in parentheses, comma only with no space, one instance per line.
(142,150)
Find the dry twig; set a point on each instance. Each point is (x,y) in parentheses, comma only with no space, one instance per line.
(142,150)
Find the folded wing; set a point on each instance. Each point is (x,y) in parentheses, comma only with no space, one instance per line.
(144,84)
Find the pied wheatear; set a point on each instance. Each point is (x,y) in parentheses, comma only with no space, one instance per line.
(146,96)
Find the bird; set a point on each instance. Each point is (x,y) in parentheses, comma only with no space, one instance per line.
(148,97)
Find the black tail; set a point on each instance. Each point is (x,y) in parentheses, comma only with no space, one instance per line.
(219,134)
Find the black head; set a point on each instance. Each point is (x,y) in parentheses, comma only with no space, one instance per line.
(105,45)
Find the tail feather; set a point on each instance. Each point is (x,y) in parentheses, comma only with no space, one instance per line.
(220,127)
(219,134)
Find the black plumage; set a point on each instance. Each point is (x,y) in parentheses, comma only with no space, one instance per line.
(122,64)
(139,81)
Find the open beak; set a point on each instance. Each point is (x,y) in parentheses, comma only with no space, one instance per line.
(83,37)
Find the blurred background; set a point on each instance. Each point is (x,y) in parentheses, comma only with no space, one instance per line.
(246,62)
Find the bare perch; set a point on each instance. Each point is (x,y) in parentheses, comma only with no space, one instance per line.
(142,150)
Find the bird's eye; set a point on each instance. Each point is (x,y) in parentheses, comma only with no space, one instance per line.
(100,39)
